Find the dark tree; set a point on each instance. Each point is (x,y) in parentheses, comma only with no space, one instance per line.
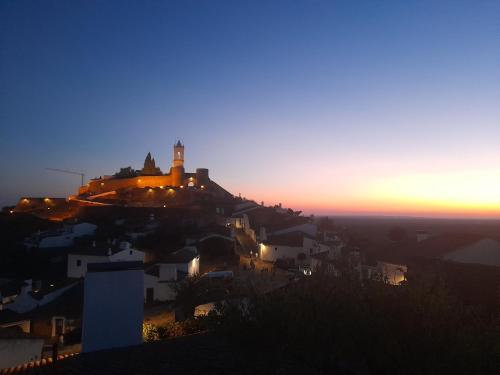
(126,172)
(325,224)
(397,234)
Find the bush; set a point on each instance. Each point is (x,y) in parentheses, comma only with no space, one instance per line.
(152,332)
(339,324)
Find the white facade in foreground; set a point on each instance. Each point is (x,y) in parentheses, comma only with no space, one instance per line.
(113,307)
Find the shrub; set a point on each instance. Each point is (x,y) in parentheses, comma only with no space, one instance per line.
(334,324)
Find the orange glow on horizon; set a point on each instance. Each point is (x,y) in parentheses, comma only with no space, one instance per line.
(457,194)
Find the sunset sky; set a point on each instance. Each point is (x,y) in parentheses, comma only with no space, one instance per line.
(334,107)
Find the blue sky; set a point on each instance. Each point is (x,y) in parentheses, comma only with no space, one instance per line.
(316,104)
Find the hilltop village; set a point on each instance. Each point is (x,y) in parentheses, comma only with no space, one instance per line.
(144,255)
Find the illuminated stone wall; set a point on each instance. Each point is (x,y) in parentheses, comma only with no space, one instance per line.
(111,184)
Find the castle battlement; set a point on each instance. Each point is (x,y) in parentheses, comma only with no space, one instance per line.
(150,176)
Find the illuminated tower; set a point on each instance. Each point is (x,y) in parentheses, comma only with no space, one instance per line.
(178,154)
(177,170)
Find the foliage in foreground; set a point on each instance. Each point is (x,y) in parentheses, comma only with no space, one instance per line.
(339,324)
(152,332)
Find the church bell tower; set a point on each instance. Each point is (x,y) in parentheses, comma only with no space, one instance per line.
(178,154)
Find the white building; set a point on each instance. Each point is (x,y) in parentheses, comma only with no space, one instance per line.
(28,299)
(161,278)
(310,229)
(18,349)
(78,259)
(290,245)
(113,306)
(63,237)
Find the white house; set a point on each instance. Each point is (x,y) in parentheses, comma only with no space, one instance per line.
(18,349)
(289,246)
(160,278)
(28,299)
(78,259)
(113,306)
(310,229)
(242,221)
(66,236)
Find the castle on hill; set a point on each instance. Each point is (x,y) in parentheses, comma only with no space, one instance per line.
(151,177)
(146,187)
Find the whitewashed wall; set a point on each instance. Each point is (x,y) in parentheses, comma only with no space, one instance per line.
(14,352)
(113,309)
(75,271)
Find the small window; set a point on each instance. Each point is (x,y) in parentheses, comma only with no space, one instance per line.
(130,252)
(275,249)
(78,262)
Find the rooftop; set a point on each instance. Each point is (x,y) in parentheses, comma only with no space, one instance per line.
(295,239)
(204,353)
(184,255)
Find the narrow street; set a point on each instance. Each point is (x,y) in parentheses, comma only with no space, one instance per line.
(246,244)
(264,277)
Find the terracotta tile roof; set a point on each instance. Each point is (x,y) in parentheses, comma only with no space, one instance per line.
(184,255)
(205,353)
(295,239)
